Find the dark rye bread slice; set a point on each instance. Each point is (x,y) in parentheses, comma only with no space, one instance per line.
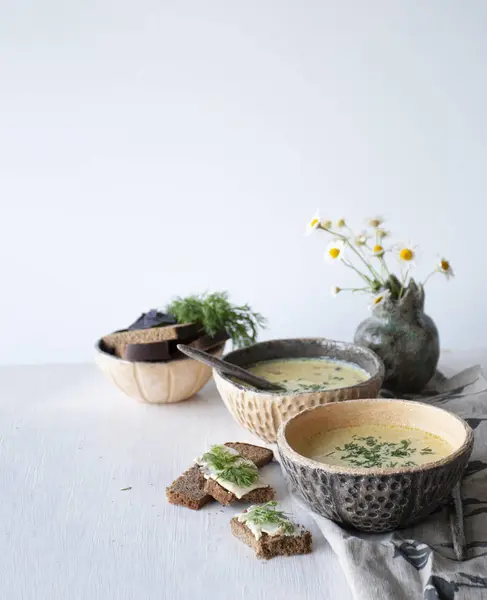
(270,546)
(223,496)
(162,351)
(189,488)
(117,342)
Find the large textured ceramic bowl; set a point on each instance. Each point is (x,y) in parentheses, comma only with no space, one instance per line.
(374,499)
(263,412)
(155,382)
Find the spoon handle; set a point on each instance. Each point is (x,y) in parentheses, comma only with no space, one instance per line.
(229,369)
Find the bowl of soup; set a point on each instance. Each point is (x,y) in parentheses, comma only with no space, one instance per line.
(311,371)
(375,464)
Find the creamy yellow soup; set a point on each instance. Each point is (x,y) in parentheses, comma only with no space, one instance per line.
(310,374)
(377,446)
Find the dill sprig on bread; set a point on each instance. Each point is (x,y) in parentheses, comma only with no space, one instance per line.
(270,532)
(231,466)
(266,514)
(215,313)
(219,457)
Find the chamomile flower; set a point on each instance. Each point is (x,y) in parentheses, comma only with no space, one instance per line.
(378,250)
(376,222)
(444,267)
(313,224)
(380,298)
(326,224)
(406,254)
(362,239)
(341,223)
(382,233)
(335,290)
(335,250)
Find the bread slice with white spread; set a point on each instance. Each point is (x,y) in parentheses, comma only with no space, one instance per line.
(269,532)
(231,477)
(189,488)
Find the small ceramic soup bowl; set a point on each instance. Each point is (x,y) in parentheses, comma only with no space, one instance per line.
(374,499)
(163,382)
(263,412)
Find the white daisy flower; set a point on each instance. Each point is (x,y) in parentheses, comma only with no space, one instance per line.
(375,222)
(335,250)
(444,267)
(362,239)
(380,298)
(407,254)
(378,250)
(382,233)
(313,224)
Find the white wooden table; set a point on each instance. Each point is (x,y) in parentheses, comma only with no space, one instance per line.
(70,442)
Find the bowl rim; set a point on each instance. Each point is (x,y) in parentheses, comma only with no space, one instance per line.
(285,448)
(377,376)
(99,350)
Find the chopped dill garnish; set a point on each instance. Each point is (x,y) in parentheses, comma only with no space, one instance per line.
(368,452)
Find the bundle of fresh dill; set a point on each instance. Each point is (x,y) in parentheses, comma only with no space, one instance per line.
(215,313)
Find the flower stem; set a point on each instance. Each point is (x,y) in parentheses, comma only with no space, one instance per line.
(384,264)
(430,275)
(403,283)
(374,273)
(354,268)
(364,289)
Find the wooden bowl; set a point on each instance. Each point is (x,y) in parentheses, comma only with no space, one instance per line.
(155,382)
(375,499)
(263,412)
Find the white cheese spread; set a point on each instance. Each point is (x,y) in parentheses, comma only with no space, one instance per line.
(239,491)
(271,529)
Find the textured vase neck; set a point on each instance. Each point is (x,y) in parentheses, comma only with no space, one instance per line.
(410,303)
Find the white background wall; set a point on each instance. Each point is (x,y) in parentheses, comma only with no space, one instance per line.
(155,148)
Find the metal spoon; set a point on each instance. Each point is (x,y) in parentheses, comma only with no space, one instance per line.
(226,367)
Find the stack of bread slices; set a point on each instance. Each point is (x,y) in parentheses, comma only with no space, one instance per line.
(154,337)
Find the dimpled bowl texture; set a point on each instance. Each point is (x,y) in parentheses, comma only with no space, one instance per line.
(375,499)
(155,382)
(263,412)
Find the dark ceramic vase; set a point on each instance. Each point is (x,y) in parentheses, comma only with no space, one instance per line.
(405,338)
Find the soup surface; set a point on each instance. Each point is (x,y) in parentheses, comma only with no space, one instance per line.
(369,446)
(310,374)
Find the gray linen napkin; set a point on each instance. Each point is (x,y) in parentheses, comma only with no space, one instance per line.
(445,556)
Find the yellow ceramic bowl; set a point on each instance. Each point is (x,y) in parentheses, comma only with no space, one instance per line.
(263,412)
(156,382)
